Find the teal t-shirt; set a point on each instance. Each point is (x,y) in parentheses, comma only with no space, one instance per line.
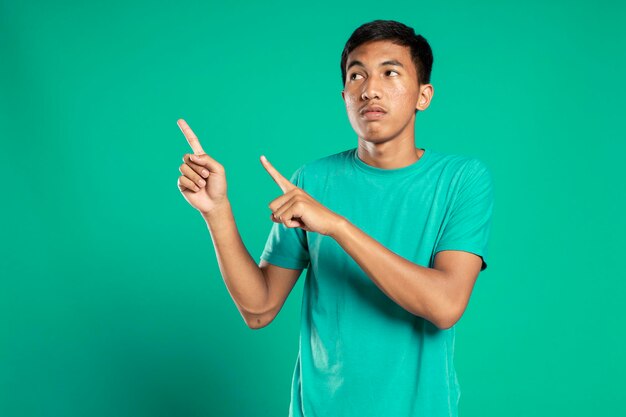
(360,353)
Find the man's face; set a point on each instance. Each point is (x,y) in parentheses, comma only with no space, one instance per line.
(381,91)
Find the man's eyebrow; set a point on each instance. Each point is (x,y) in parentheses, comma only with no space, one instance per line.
(392,62)
(388,62)
(353,63)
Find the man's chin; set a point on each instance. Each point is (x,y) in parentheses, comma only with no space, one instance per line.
(374,137)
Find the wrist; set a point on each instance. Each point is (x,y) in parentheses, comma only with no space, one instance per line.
(218,211)
(339,226)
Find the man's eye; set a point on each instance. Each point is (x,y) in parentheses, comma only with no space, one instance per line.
(353,76)
(395,72)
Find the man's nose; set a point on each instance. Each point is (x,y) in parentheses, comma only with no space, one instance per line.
(371,89)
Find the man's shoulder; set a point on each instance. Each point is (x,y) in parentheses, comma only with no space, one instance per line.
(324,163)
(450,164)
(458,164)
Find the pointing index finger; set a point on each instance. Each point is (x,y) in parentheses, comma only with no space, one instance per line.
(191,137)
(282,182)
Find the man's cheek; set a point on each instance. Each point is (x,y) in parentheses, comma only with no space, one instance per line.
(350,103)
(398,94)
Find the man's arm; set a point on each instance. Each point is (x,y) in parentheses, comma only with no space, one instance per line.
(438,294)
(247,282)
(243,278)
(258,291)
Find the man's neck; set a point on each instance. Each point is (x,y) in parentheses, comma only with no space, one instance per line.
(391,154)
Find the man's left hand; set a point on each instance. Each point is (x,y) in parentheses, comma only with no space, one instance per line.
(296,208)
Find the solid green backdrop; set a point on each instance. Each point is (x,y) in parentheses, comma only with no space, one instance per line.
(111,300)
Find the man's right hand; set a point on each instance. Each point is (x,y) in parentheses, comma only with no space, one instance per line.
(203,183)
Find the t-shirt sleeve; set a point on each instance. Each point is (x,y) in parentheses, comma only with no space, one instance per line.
(287,247)
(469,223)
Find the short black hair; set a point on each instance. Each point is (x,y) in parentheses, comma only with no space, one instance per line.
(398,33)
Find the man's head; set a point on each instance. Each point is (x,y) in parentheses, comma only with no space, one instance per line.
(385,66)
(398,33)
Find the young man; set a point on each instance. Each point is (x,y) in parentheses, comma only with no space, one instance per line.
(393,238)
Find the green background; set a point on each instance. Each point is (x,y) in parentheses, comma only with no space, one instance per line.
(111,300)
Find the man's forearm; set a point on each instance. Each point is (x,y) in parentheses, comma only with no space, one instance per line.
(242,276)
(421,291)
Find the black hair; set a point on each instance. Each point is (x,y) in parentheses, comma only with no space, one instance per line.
(399,34)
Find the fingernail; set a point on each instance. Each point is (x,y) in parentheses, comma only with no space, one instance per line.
(205,173)
(190,158)
(202,183)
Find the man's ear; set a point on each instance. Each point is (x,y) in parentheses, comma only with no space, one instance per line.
(343,96)
(425,97)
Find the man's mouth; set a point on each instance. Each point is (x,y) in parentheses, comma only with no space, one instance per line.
(373,112)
